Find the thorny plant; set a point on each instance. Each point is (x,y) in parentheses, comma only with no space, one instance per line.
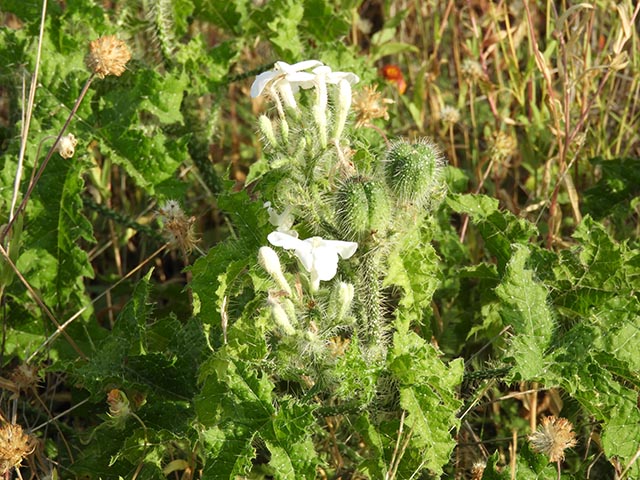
(363,316)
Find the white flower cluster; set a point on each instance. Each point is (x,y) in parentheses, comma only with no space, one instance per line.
(318,256)
(284,81)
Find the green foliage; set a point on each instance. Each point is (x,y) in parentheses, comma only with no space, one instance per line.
(340,360)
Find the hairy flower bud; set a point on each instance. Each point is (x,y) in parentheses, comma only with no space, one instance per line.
(414,171)
(280,316)
(266,127)
(346,293)
(362,207)
(269,260)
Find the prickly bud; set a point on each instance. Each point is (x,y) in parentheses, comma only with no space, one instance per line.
(269,260)
(346,293)
(362,207)
(266,127)
(414,171)
(280,316)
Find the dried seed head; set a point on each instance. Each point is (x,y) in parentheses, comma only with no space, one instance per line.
(15,445)
(553,437)
(67,146)
(472,71)
(369,104)
(107,56)
(338,346)
(502,146)
(449,115)
(477,470)
(178,229)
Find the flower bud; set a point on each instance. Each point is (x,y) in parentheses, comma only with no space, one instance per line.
(320,117)
(269,260)
(346,293)
(266,127)
(284,131)
(280,316)
(414,171)
(362,207)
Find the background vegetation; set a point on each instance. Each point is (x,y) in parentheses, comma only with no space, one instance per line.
(518,297)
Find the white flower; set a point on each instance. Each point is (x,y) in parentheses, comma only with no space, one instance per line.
(324,73)
(324,76)
(283,74)
(342,109)
(319,257)
(283,221)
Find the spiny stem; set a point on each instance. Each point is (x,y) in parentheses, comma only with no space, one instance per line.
(372,323)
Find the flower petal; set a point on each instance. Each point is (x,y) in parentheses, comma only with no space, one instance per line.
(261,81)
(296,67)
(344,249)
(325,262)
(302,249)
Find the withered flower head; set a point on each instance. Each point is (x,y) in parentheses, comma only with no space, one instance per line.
(477,470)
(502,146)
(449,115)
(553,437)
(472,70)
(178,228)
(118,404)
(25,376)
(67,145)
(369,104)
(15,445)
(107,56)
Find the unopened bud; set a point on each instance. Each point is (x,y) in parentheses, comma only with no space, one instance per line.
(280,316)
(414,171)
(345,297)
(269,260)
(266,127)
(362,207)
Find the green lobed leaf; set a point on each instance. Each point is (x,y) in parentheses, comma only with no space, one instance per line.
(426,386)
(524,307)
(415,270)
(235,403)
(499,229)
(53,261)
(132,118)
(618,185)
